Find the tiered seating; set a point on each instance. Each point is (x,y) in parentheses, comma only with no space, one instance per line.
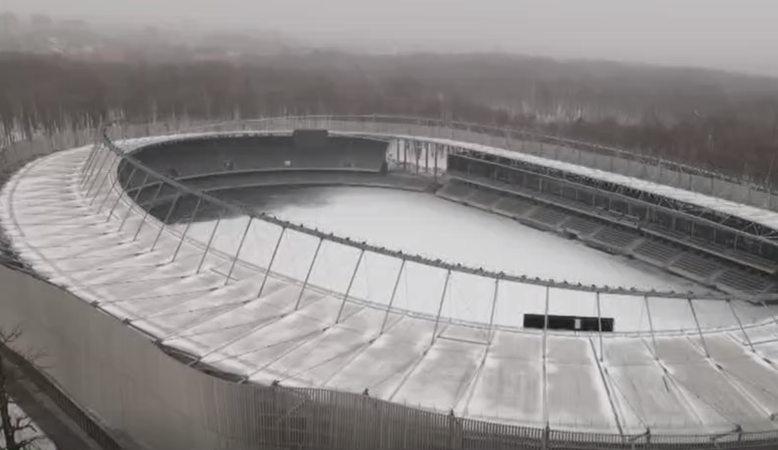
(455,191)
(581,226)
(513,206)
(696,267)
(754,260)
(741,281)
(547,198)
(483,198)
(548,216)
(615,239)
(248,153)
(656,252)
(710,247)
(665,232)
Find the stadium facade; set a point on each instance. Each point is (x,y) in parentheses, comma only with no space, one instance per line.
(264,333)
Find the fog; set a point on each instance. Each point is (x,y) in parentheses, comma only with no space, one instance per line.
(736,35)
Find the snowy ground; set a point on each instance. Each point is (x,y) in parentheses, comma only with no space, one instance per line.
(424,224)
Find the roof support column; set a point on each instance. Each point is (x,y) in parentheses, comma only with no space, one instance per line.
(270,264)
(740,324)
(391,299)
(103,158)
(134,201)
(350,284)
(440,307)
(494,305)
(167,218)
(210,242)
(86,170)
(121,194)
(699,330)
(100,188)
(147,209)
(237,252)
(599,323)
(186,230)
(308,275)
(650,325)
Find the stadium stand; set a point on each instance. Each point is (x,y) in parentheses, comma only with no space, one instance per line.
(711,248)
(455,191)
(695,267)
(547,217)
(742,282)
(485,199)
(712,232)
(615,240)
(581,226)
(656,252)
(552,201)
(205,156)
(513,207)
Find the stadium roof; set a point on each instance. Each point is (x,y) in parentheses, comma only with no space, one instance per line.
(674,365)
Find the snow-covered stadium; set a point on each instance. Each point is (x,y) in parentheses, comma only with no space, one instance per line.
(383,282)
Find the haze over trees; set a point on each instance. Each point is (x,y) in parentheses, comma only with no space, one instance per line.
(717,120)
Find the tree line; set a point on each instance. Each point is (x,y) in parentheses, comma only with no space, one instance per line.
(712,119)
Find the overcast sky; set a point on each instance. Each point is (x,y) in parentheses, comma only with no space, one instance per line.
(737,35)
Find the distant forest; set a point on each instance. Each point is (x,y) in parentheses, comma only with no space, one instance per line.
(716,120)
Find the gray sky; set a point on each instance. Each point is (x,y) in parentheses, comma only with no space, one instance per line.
(737,35)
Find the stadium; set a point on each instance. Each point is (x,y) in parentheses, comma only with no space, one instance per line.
(381,282)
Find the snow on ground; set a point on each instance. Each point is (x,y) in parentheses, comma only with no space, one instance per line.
(424,224)
(421,223)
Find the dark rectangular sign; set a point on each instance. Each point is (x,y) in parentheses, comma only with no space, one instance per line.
(572,323)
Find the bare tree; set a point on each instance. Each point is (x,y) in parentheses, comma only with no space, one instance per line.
(18,430)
